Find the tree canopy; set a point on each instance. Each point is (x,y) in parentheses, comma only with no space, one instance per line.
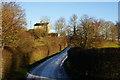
(13,19)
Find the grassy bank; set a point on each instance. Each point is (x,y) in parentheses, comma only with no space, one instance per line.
(22,72)
(16,62)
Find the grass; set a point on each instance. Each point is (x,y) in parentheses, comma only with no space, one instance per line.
(112,45)
(109,45)
(39,44)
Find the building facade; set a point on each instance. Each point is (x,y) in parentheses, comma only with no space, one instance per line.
(44,26)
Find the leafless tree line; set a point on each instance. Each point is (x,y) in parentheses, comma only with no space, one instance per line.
(87,30)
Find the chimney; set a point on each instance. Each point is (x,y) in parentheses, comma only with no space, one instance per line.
(41,21)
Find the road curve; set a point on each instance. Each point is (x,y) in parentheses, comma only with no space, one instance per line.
(51,69)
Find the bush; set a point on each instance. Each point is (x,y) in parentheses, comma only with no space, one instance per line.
(96,63)
(38,53)
(53,49)
(6,63)
(26,42)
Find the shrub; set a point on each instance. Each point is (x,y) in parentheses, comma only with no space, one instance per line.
(38,53)
(6,63)
(26,42)
(96,63)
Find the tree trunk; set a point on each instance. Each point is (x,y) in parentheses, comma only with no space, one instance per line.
(74,30)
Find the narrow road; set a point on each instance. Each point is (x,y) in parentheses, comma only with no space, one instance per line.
(51,69)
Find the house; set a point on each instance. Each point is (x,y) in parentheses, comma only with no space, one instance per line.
(46,26)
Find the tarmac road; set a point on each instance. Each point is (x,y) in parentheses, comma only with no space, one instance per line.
(51,69)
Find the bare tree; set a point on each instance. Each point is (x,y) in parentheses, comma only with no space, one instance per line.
(113,32)
(85,22)
(45,19)
(73,23)
(88,30)
(60,26)
(118,28)
(105,29)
